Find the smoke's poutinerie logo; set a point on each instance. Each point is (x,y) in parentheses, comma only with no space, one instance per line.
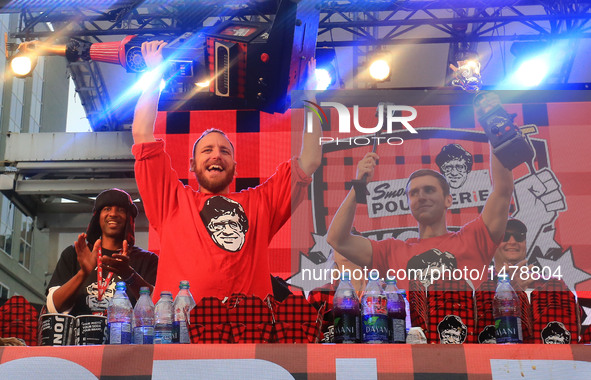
(344,117)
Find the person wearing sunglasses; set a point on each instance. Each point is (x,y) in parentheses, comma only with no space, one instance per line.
(511,252)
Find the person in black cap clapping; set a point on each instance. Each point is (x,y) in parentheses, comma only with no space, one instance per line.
(75,287)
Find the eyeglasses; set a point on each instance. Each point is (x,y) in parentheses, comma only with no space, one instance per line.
(448,168)
(221,225)
(518,236)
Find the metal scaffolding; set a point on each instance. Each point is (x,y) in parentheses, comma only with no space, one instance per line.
(362,25)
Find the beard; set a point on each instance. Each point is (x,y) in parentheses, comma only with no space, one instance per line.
(217,185)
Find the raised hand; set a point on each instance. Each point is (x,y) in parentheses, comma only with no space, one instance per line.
(310,83)
(86,258)
(366,167)
(152,53)
(118,263)
(29,46)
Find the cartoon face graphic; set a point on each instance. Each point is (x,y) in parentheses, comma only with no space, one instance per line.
(456,172)
(488,335)
(451,336)
(431,261)
(92,298)
(454,163)
(226,222)
(555,333)
(452,330)
(226,231)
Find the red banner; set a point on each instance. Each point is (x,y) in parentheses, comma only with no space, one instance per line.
(289,361)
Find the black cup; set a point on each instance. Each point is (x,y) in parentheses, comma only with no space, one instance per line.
(90,329)
(56,330)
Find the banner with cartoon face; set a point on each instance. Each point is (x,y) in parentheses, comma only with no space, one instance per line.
(550,196)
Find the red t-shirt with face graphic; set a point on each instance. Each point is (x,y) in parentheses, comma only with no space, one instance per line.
(471,247)
(219,243)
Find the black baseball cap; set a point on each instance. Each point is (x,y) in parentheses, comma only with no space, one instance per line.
(516,225)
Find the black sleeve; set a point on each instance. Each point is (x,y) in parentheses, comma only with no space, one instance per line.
(145,264)
(66,268)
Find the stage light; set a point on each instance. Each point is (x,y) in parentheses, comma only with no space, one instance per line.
(250,65)
(203,84)
(148,78)
(323,79)
(326,73)
(534,62)
(379,69)
(22,65)
(467,75)
(532,71)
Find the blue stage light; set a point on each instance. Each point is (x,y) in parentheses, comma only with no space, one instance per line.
(323,79)
(326,73)
(532,72)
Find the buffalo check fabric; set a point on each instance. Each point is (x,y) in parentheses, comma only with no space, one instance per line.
(324,297)
(253,314)
(555,313)
(248,319)
(586,336)
(451,307)
(206,317)
(297,321)
(19,319)
(230,332)
(526,317)
(484,296)
(417,298)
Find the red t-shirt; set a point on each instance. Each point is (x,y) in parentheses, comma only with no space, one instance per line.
(219,243)
(471,248)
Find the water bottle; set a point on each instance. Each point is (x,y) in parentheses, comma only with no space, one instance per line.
(374,310)
(143,318)
(119,314)
(346,312)
(396,313)
(183,304)
(507,313)
(163,319)
(407,309)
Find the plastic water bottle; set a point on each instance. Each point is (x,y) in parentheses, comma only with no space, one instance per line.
(507,313)
(183,304)
(346,312)
(396,313)
(374,310)
(143,318)
(119,314)
(407,309)
(163,319)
